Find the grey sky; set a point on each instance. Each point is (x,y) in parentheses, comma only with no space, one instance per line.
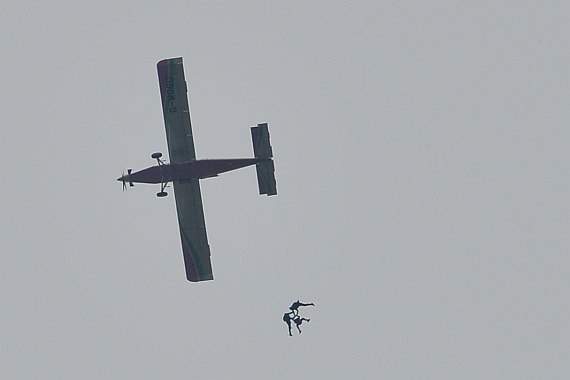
(421,155)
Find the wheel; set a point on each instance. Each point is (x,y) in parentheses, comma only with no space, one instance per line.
(162,194)
(156,155)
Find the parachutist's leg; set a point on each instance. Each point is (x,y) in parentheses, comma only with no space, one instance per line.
(298,328)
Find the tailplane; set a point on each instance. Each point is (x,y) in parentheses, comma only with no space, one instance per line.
(265,169)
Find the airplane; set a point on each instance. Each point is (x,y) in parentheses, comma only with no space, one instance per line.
(184,171)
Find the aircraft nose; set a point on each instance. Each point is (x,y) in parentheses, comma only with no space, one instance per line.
(124,178)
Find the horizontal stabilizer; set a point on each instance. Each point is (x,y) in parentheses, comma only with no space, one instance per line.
(265,169)
(261,145)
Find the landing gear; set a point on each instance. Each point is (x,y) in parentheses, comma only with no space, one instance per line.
(163,172)
(162,193)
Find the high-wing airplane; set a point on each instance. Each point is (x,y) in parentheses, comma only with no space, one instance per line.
(184,171)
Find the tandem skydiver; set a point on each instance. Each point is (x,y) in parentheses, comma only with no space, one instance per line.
(287,319)
(298,321)
(295,306)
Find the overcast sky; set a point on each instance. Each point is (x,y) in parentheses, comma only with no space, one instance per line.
(421,154)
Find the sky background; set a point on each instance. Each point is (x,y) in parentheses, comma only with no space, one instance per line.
(421,154)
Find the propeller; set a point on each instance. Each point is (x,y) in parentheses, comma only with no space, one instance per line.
(126,178)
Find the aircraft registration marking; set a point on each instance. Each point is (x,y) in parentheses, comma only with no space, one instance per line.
(170,96)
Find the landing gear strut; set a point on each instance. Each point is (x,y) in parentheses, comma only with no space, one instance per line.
(162,193)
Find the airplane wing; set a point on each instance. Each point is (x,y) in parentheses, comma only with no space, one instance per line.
(193,230)
(175,110)
(191,222)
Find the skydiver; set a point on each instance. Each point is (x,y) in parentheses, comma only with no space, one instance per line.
(295,307)
(287,319)
(298,321)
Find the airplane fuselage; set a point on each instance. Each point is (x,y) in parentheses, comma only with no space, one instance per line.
(180,171)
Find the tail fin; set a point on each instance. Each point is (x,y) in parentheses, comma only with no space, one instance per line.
(266,169)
